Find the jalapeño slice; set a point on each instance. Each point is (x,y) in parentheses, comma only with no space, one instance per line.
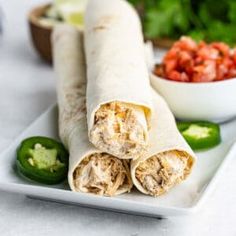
(43,160)
(200,135)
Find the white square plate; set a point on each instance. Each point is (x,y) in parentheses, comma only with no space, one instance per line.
(183,199)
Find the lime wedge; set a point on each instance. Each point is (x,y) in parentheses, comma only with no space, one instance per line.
(72,11)
(75,18)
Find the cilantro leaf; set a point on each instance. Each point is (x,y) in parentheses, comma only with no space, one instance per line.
(201,19)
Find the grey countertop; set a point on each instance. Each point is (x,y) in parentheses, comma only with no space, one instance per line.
(27,88)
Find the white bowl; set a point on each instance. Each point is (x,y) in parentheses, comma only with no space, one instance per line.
(213,101)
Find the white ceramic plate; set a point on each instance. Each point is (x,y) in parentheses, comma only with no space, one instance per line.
(183,199)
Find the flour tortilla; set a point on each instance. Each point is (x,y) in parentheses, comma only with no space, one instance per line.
(116,67)
(69,65)
(164,137)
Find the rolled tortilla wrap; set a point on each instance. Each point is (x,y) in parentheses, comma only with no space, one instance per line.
(118,92)
(169,160)
(90,170)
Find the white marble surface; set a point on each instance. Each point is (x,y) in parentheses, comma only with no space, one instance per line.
(27,88)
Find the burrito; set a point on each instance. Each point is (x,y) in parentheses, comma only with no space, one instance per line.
(169,160)
(90,170)
(118,92)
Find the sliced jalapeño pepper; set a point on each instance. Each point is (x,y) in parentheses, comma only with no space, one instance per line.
(43,160)
(200,135)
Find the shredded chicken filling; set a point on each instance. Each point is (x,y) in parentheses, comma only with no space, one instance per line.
(161,172)
(120,129)
(102,174)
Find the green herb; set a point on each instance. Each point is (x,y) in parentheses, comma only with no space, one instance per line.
(208,20)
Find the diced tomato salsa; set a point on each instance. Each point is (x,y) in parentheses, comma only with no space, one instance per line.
(188,61)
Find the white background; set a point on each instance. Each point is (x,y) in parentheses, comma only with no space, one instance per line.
(27,88)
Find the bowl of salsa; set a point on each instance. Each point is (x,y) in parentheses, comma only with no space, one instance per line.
(198,80)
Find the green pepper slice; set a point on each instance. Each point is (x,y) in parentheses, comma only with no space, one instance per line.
(43,160)
(200,135)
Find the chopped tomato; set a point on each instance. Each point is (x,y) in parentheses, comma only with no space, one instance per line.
(186,43)
(174,75)
(188,61)
(205,72)
(231,73)
(221,72)
(207,52)
(170,66)
(234,56)
(222,48)
(177,76)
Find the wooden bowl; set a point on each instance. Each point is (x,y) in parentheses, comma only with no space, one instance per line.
(163,42)
(40,35)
